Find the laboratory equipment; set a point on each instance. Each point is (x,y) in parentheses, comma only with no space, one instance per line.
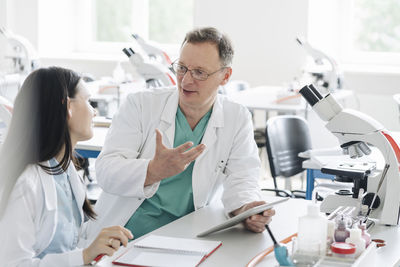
(341,232)
(154,73)
(354,131)
(325,71)
(24,56)
(356,239)
(343,250)
(281,252)
(312,232)
(153,51)
(364,234)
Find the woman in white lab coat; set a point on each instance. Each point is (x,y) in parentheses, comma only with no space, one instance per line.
(43,204)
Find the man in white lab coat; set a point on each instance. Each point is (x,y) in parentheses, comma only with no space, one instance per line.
(171,151)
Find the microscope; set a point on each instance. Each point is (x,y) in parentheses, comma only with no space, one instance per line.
(326,72)
(154,73)
(355,131)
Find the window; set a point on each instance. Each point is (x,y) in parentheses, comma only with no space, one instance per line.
(106,26)
(357,31)
(165,22)
(376,26)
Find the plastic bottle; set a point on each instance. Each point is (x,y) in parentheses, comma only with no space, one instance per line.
(330,237)
(356,239)
(312,232)
(341,232)
(364,234)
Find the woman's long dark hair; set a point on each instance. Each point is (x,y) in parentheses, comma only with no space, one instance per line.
(39,129)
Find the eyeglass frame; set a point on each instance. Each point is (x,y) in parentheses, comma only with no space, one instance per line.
(191,73)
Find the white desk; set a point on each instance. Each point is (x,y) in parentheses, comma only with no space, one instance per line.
(265,98)
(92,147)
(239,246)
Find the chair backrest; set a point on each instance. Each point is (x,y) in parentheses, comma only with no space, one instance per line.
(286,136)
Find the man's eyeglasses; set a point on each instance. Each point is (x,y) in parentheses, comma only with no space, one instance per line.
(197,74)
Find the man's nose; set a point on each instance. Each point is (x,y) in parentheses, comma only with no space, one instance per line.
(187,77)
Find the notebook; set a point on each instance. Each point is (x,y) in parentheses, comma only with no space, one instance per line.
(163,251)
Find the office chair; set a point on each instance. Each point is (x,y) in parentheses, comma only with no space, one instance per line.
(286,136)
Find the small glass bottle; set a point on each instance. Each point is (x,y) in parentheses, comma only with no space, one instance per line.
(341,232)
(364,234)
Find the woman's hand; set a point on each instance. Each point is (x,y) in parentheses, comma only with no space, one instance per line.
(107,242)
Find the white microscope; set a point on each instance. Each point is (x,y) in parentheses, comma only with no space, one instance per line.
(326,72)
(355,130)
(155,73)
(24,56)
(152,50)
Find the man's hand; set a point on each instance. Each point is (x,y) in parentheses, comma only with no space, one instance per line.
(255,223)
(168,162)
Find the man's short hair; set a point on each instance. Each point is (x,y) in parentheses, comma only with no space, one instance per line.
(212,35)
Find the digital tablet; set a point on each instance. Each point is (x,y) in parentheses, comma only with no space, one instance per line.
(242,216)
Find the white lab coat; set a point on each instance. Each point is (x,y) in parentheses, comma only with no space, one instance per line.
(230,158)
(30,220)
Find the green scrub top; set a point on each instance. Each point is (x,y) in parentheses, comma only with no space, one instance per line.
(174,197)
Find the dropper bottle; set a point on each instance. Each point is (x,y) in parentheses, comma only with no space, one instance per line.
(341,232)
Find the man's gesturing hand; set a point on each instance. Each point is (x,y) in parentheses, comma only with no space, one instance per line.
(168,162)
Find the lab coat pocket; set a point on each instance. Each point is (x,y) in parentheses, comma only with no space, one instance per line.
(219,178)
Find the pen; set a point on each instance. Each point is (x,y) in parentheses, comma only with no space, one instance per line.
(97,259)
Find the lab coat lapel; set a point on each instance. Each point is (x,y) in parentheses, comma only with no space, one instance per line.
(49,188)
(167,123)
(216,121)
(78,188)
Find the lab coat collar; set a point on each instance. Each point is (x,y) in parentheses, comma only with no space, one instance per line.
(50,192)
(216,120)
(49,187)
(78,187)
(167,124)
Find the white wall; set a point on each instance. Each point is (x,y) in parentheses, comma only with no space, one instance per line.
(263,34)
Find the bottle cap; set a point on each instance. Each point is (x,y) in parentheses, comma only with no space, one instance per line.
(343,248)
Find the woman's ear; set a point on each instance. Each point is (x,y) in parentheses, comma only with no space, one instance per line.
(69,108)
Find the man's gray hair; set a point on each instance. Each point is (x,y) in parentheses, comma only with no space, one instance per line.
(212,35)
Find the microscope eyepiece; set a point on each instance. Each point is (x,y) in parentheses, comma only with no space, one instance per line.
(311,97)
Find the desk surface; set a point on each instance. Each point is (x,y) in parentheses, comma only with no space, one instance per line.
(265,98)
(96,142)
(239,246)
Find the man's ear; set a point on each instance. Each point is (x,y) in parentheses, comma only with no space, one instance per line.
(69,108)
(227,75)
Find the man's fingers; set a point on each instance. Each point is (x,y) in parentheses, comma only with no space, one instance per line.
(193,153)
(270,212)
(159,143)
(182,148)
